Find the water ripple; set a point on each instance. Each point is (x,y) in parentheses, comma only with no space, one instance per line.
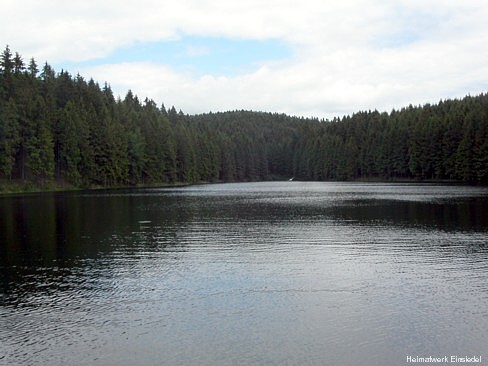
(267,273)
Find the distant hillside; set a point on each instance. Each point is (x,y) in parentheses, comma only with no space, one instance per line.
(59,127)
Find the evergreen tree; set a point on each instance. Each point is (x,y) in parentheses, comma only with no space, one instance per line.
(9,137)
(6,62)
(59,126)
(33,70)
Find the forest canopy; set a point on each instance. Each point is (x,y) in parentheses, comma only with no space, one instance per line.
(60,127)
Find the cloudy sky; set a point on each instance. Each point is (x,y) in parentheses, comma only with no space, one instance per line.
(309,58)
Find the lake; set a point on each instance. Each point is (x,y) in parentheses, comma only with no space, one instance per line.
(274,273)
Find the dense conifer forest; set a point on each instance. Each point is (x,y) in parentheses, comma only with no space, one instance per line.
(55,127)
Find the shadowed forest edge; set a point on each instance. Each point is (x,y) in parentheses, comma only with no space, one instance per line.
(60,131)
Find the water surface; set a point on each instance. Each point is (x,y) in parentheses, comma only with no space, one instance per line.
(245,274)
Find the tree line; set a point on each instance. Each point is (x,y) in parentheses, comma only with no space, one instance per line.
(55,126)
(446,141)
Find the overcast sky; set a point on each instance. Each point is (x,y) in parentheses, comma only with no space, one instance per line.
(309,58)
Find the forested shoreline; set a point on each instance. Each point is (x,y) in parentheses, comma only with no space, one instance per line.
(55,127)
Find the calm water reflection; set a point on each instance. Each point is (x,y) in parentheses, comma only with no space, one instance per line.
(258,273)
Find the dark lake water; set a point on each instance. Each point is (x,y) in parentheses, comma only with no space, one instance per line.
(245,274)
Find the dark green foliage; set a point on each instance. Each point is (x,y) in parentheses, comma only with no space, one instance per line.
(55,126)
(447,141)
(9,137)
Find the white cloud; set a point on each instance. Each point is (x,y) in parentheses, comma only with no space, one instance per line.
(349,55)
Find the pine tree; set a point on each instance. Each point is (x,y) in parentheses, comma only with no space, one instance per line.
(9,137)
(33,70)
